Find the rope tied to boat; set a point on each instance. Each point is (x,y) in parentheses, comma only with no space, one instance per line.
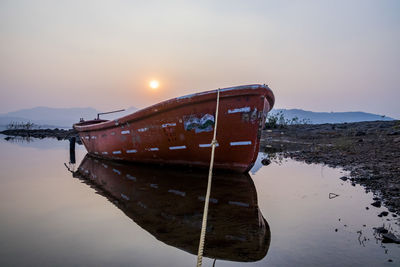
(214,142)
(207,199)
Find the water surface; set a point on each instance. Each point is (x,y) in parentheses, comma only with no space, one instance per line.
(119,215)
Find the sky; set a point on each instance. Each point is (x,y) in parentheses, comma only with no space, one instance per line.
(315,55)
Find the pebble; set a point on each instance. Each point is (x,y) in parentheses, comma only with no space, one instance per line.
(377,204)
(383,213)
(390,238)
(360,133)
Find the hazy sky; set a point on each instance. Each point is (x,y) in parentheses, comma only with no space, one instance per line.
(315,55)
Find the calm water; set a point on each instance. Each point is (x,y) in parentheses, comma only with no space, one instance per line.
(117,215)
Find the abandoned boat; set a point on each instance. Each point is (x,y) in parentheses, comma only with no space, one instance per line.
(180,130)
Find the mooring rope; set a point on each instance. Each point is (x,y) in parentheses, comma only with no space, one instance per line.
(207,199)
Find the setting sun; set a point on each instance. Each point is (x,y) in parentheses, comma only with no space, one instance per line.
(154,84)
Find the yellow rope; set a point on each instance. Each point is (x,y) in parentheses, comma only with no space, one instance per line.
(207,199)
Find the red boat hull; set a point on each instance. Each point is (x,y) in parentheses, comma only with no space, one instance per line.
(180,130)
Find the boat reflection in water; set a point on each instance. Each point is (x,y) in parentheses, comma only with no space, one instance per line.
(169,204)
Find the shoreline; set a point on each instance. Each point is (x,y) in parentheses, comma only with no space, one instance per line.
(60,134)
(370,151)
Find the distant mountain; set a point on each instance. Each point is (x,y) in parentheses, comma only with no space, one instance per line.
(65,117)
(56,117)
(329,117)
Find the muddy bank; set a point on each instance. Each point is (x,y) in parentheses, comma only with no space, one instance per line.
(60,134)
(369,150)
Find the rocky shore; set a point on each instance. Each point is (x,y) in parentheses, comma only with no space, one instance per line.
(60,134)
(370,151)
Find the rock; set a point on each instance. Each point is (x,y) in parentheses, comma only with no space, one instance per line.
(394,133)
(343,178)
(266,162)
(390,238)
(360,133)
(381,230)
(333,195)
(377,204)
(383,213)
(396,140)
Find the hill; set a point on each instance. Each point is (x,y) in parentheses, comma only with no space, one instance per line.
(56,117)
(329,117)
(65,117)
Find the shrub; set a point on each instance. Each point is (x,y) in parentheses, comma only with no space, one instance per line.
(21,126)
(278,120)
